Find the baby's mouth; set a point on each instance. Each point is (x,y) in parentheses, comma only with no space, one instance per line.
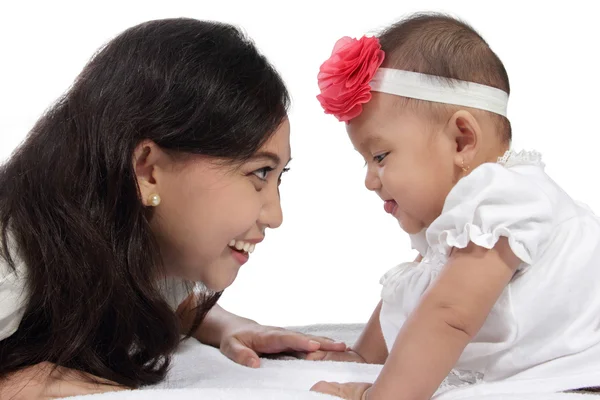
(390,206)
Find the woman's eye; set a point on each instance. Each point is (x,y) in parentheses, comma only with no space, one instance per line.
(263,173)
(379,158)
(282,172)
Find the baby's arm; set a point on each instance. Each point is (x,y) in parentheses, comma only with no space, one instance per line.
(371,344)
(370,347)
(449,315)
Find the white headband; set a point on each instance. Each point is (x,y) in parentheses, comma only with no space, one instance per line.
(433,88)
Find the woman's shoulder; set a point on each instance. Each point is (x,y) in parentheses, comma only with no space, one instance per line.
(11,264)
(13,295)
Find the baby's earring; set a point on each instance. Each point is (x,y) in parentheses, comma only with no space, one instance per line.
(154,200)
(465,169)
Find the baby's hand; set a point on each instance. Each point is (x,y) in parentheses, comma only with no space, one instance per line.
(343,356)
(349,391)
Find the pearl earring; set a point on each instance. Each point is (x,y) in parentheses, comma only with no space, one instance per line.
(154,200)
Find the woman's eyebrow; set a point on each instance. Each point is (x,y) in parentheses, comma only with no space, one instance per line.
(270,156)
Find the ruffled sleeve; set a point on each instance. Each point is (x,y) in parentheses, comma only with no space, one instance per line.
(493,202)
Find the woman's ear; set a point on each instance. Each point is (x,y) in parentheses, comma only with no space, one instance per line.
(146,165)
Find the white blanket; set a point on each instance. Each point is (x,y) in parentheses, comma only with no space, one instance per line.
(201,372)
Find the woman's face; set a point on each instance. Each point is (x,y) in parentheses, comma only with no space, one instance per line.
(212,215)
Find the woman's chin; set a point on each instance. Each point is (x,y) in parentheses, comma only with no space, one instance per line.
(215,276)
(222,279)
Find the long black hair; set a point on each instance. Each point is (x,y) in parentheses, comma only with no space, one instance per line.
(69,198)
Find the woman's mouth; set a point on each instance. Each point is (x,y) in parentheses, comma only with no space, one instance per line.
(241,250)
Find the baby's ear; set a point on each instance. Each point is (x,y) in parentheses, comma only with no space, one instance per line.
(466,133)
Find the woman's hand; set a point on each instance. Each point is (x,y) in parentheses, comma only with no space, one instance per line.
(245,343)
(341,356)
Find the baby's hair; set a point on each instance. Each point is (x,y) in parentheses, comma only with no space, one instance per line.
(440,45)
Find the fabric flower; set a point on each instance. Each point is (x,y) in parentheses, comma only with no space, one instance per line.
(344,79)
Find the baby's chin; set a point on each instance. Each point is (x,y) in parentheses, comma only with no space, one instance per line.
(410,226)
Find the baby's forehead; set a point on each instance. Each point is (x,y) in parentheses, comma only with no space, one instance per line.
(363,137)
(372,126)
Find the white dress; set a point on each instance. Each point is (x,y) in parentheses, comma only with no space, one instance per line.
(545,327)
(13,295)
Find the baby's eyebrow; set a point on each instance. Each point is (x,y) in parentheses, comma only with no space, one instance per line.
(369,141)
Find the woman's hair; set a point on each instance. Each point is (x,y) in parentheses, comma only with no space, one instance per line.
(70,202)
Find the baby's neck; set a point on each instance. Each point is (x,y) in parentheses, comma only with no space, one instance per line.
(492,153)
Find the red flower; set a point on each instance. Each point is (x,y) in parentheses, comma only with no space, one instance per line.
(344,79)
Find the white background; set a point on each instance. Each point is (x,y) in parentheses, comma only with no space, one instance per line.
(324,263)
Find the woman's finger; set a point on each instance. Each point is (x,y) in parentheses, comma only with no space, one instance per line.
(328,344)
(240,353)
(284,341)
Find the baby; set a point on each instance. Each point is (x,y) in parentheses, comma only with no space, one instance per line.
(507,283)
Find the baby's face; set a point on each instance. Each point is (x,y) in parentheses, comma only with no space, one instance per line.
(410,163)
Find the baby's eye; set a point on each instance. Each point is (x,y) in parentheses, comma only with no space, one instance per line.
(379,158)
(263,173)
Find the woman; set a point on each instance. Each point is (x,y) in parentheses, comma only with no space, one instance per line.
(159,167)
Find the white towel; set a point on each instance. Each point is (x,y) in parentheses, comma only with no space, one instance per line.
(207,394)
(202,372)
(270,394)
